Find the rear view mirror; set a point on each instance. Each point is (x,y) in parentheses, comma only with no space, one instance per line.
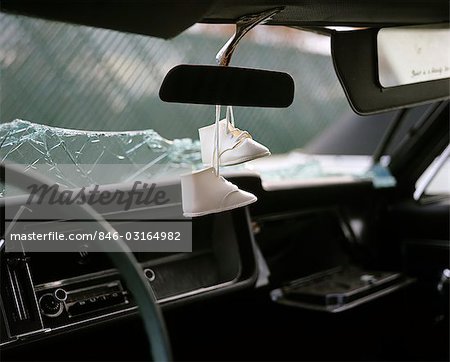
(228,86)
(391,68)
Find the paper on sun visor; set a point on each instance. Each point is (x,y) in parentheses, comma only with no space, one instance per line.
(413,54)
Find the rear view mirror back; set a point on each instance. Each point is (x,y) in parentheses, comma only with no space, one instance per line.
(229,86)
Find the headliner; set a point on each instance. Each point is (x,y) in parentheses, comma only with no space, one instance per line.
(168,18)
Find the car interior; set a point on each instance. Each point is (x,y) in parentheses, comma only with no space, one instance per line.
(340,249)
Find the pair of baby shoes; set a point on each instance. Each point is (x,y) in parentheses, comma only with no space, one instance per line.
(204,191)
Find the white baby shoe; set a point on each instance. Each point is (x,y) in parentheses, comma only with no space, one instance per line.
(236,146)
(203,192)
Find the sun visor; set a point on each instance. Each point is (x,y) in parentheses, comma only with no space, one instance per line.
(383,74)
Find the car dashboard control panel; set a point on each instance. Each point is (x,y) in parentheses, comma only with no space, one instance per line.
(45,293)
(62,305)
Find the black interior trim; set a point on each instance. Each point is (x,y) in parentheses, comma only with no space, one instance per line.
(160,18)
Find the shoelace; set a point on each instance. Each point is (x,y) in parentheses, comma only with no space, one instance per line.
(231,128)
(216,156)
(237,133)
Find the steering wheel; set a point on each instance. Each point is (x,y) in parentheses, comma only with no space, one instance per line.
(122,258)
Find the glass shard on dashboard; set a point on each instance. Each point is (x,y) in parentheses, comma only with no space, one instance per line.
(143,154)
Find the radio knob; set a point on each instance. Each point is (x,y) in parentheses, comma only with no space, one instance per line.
(60,294)
(50,306)
(149,274)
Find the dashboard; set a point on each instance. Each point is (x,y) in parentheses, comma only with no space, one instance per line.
(311,242)
(49,293)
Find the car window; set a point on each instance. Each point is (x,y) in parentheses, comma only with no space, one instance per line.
(77,77)
(94,79)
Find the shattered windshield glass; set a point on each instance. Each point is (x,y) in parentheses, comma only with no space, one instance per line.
(145,154)
(149,154)
(36,145)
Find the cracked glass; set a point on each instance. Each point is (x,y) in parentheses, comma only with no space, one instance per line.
(146,154)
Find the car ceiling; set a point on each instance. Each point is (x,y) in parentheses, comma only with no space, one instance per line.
(168,18)
(335,13)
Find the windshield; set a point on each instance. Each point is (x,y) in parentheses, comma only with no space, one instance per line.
(93,79)
(81,78)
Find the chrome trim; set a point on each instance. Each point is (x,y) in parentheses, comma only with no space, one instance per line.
(77,279)
(32,333)
(34,295)
(431,173)
(195,292)
(36,305)
(61,299)
(58,312)
(121,311)
(19,306)
(152,276)
(22,305)
(243,25)
(8,329)
(95,287)
(8,342)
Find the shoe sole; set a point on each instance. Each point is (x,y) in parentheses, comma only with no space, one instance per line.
(215,211)
(242,160)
